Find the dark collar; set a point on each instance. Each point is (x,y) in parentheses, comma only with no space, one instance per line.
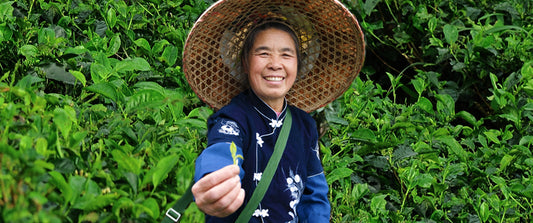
(264,109)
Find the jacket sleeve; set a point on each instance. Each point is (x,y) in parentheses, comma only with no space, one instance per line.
(314,204)
(216,157)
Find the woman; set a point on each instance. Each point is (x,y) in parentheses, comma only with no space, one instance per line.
(274,52)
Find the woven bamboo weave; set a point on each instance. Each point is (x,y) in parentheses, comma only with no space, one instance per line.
(330,39)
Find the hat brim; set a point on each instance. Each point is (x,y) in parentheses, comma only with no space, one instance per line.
(330,37)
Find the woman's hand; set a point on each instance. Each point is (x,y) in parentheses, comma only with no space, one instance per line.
(219,193)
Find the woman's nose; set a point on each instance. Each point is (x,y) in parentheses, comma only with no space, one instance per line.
(275,63)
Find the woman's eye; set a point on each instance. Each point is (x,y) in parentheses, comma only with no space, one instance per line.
(287,55)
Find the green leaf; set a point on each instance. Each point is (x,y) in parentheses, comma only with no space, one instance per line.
(114,45)
(526,141)
(360,190)
(163,168)
(77,183)
(79,76)
(140,64)
(27,81)
(6,11)
(484,212)
(492,136)
(419,85)
(133,180)
(170,55)
(59,181)
(127,65)
(100,73)
(46,36)
(90,202)
(143,43)
(105,89)
(152,205)
(403,152)
(41,146)
(502,183)
(126,162)
(378,203)
(506,160)
(467,117)
(365,135)
(111,17)
(451,34)
(122,203)
(338,173)
(369,6)
(144,98)
(424,180)
(454,147)
(29,51)
(58,73)
(76,50)
(63,122)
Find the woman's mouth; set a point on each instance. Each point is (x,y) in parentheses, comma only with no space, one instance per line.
(274,78)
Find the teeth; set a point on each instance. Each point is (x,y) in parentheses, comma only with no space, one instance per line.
(274,78)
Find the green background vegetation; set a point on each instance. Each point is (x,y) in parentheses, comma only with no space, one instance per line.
(97,122)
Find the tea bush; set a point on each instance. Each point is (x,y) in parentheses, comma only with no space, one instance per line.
(98,123)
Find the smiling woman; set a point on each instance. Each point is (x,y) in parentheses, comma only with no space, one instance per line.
(272,65)
(330,46)
(267,62)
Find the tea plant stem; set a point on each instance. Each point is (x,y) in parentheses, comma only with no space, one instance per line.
(404,199)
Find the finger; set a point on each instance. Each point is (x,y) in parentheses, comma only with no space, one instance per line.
(215,178)
(211,199)
(237,203)
(229,203)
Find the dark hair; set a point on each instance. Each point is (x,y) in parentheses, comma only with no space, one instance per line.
(250,39)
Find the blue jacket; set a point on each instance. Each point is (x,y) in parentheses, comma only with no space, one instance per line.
(298,191)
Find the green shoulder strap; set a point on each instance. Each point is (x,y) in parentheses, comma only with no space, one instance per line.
(174,214)
(269,172)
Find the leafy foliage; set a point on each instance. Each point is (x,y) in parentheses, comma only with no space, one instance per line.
(448,139)
(98,123)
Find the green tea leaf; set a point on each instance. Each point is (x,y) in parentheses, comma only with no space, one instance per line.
(492,136)
(105,89)
(127,162)
(163,168)
(140,64)
(111,17)
(365,135)
(338,173)
(143,43)
(450,33)
(114,45)
(170,55)
(29,51)
(90,202)
(454,147)
(467,117)
(424,180)
(378,203)
(506,160)
(79,76)
(419,85)
(62,122)
(484,212)
(152,205)
(359,190)
(100,73)
(59,181)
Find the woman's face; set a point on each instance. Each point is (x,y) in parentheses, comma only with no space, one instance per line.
(273,66)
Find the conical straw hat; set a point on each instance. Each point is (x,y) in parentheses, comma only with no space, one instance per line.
(331,44)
